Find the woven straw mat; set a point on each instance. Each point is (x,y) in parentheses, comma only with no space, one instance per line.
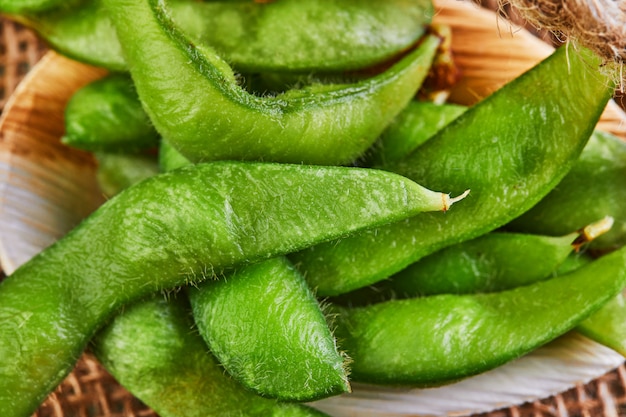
(90,391)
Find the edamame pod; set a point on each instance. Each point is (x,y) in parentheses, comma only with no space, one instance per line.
(296,36)
(417,123)
(168,230)
(127,125)
(495,147)
(493,262)
(119,171)
(266,328)
(153,351)
(595,187)
(193,99)
(574,261)
(84,33)
(106,116)
(170,158)
(31,6)
(288,35)
(438,339)
(607,325)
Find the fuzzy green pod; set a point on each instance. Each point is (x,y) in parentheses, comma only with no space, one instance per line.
(83,32)
(170,158)
(266,328)
(288,35)
(151,348)
(438,339)
(606,326)
(169,230)
(106,116)
(495,261)
(491,262)
(18,7)
(492,148)
(295,36)
(417,123)
(574,261)
(119,171)
(193,98)
(595,187)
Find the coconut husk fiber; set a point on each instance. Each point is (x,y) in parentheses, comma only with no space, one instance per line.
(599,25)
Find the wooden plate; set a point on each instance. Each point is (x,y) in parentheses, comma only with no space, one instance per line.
(47,188)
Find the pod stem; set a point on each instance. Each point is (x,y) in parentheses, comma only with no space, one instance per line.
(592,231)
(449,201)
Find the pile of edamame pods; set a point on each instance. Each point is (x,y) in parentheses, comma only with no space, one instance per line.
(298,213)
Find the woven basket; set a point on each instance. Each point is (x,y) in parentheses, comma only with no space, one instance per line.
(91,391)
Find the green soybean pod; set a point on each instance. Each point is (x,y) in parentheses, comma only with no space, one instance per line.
(116,172)
(494,147)
(438,339)
(83,32)
(169,230)
(574,261)
(194,101)
(152,349)
(275,83)
(492,262)
(18,7)
(106,116)
(266,328)
(596,186)
(296,36)
(288,35)
(606,326)
(417,123)
(170,158)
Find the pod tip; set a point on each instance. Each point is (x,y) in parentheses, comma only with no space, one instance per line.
(449,201)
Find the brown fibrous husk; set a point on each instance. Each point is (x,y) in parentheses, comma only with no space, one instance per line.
(599,25)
